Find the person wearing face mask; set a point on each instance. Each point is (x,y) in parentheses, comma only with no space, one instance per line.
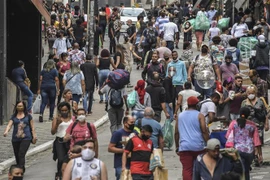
(157,136)
(118,142)
(61,44)
(81,130)
(169,89)
(163,49)
(23,132)
(258,114)
(211,13)
(140,155)
(180,76)
(223,108)
(203,61)
(86,166)
(59,126)
(266,27)
(160,22)
(15,172)
(131,31)
(261,84)
(228,69)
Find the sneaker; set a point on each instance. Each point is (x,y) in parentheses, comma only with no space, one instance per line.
(40,118)
(50,118)
(101,101)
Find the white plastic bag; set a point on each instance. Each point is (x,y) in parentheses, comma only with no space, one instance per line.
(36,105)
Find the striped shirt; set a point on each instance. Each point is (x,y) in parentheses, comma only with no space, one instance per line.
(160,23)
(140,155)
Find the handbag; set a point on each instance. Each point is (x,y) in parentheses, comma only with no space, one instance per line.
(71,77)
(36,105)
(27,80)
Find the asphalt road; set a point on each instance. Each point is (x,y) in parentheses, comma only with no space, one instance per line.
(42,167)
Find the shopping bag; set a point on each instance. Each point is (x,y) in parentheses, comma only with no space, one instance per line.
(156,159)
(126,175)
(167,131)
(36,105)
(201,21)
(223,22)
(160,174)
(132,99)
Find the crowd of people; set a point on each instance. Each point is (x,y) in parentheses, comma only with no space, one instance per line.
(169,83)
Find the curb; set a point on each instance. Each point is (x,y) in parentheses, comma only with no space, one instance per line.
(5,164)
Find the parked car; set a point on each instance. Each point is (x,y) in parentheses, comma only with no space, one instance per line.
(131,13)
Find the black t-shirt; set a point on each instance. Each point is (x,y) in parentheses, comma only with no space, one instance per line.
(131,30)
(78,32)
(97,33)
(111,28)
(120,65)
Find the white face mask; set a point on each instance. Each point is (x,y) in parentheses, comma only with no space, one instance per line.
(251,96)
(172,73)
(81,118)
(88,154)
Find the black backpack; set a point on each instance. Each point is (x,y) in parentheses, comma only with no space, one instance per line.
(151,36)
(116,100)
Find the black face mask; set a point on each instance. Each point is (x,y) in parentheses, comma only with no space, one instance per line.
(131,127)
(17,178)
(204,50)
(144,137)
(212,8)
(228,63)
(262,23)
(166,58)
(64,115)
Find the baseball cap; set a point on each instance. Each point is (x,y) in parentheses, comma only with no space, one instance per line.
(192,100)
(212,143)
(261,38)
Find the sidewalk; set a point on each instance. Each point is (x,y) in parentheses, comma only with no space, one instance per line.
(43,130)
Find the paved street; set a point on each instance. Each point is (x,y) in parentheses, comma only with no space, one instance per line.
(42,167)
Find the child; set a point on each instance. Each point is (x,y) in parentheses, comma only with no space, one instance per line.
(188,32)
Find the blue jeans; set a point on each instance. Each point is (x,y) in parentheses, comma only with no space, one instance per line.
(170,45)
(118,172)
(203,92)
(102,76)
(76,97)
(48,93)
(170,111)
(28,93)
(247,159)
(88,106)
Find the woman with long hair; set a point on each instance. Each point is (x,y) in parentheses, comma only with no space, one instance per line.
(188,32)
(74,80)
(103,64)
(143,100)
(103,21)
(63,65)
(240,29)
(59,126)
(119,57)
(258,115)
(48,88)
(67,97)
(23,132)
(20,78)
(243,135)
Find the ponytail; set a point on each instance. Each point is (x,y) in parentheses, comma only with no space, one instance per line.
(244,113)
(241,122)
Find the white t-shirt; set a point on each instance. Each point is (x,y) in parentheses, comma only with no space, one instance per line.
(186,94)
(169,31)
(238,30)
(214,32)
(206,108)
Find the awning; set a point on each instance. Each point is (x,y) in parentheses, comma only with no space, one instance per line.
(43,11)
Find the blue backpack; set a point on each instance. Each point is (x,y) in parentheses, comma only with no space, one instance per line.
(116,100)
(118,78)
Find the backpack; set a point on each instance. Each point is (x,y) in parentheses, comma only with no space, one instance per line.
(116,99)
(235,55)
(160,66)
(88,125)
(151,36)
(118,78)
(199,105)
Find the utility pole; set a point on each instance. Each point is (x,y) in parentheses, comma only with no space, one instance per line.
(90,26)
(233,6)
